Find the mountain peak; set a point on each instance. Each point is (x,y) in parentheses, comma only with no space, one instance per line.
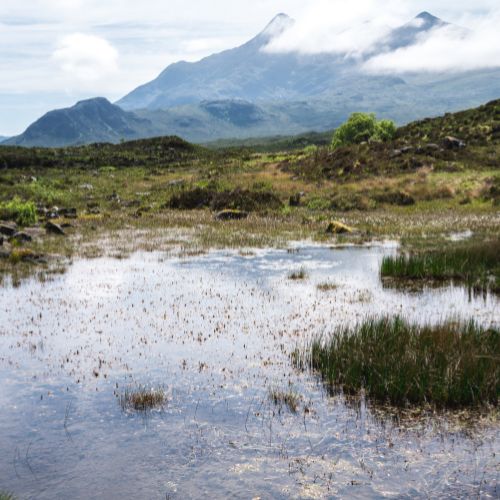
(428,19)
(99,101)
(278,25)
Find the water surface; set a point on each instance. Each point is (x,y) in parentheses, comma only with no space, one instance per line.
(216,332)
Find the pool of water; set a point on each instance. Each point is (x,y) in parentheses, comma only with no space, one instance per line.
(216,332)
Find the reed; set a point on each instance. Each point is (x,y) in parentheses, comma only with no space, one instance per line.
(475,263)
(448,365)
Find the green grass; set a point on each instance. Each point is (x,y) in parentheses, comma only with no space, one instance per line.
(475,263)
(448,365)
(24,213)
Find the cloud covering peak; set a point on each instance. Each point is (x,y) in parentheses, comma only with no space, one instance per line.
(380,42)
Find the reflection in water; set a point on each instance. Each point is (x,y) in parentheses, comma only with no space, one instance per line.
(216,332)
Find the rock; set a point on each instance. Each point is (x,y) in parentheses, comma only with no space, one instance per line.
(231,215)
(336,227)
(8,228)
(450,142)
(52,213)
(1,241)
(54,228)
(295,200)
(21,237)
(87,187)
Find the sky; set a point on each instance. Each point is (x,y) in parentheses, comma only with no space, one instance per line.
(56,52)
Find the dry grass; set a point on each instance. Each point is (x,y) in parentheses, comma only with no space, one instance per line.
(326,286)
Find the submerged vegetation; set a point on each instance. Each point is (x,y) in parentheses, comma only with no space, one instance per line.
(477,263)
(448,365)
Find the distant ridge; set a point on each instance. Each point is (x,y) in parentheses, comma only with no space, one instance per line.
(91,120)
(248,92)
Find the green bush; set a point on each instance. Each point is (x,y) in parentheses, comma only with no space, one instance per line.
(24,213)
(362,127)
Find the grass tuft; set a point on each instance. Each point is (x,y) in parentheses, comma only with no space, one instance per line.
(449,365)
(326,286)
(143,399)
(301,274)
(288,398)
(475,263)
(24,213)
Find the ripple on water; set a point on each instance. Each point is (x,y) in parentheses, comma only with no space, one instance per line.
(216,332)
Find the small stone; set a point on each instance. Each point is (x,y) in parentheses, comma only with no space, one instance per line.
(54,228)
(231,215)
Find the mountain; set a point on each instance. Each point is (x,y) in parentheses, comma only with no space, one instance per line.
(249,92)
(92,120)
(249,72)
(408,34)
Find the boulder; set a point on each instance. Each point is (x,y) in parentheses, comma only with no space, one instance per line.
(450,142)
(336,227)
(8,228)
(231,215)
(54,228)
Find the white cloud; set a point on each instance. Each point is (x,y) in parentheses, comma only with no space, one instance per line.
(150,34)
(88,58)
(340,27)
(445,49)
(352,29)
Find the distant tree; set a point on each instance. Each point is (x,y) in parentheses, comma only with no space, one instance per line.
(386,130)
(361,127)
